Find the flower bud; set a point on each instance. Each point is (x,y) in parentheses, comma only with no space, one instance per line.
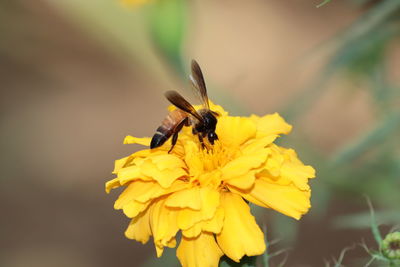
(390,246)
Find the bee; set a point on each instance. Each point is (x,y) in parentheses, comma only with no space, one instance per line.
(203,121)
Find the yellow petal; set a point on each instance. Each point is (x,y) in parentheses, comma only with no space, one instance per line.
(163,223)
(209,203)
(193,161)
(241,165)
(164,177)
(167,161)
(244,182)
(128,174)
(215,224)
(114,183)
(138,190)
(211,178)
(145,141)
(275,160)
(234,131)
(240,234)
(119,163)
(133,208)
(159,250)
(254,145)
(271,124)
(294,170)
(193,231)
(287,199)
(188,217)
(139,228)
(187,198)
(143,191)
(298,174)
(202,251)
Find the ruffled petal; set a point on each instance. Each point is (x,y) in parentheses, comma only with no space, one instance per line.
(202,251)
(120,163)
(143,191)
(234,131)
(271,124)
(187,198)
(294,170)
(193,231)
(163,223)
(241,165)
(133,208)
(139,228)
(254,145)
(145,141)
(244,182)
(167,161)
(240,234)
(114,183)
(215,224)
(209,203)
(193,161)
(164,177)
(129,174)
(287,199)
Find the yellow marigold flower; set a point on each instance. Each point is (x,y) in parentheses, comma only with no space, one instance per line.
(203,193)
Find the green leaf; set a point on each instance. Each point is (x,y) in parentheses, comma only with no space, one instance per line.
(362,220)
(323,3)
(168,23)
(374,226)
(374,137)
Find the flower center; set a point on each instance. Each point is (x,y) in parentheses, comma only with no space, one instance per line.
(394,245)
(215,157)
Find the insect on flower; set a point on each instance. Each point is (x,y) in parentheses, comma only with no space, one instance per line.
(199,198)
(204,121)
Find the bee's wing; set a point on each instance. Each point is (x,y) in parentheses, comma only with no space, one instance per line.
(177,100)
(199,84)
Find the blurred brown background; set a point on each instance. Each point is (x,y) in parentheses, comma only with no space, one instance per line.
(71,89)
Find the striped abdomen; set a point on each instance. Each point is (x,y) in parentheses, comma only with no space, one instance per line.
(168,127)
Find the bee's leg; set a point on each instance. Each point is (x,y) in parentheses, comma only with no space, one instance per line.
(176,133)
(174,139)
(201,141)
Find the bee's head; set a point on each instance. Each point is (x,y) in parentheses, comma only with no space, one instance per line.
(212,136)
(210,123)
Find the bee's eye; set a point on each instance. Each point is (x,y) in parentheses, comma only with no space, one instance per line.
(212,136)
